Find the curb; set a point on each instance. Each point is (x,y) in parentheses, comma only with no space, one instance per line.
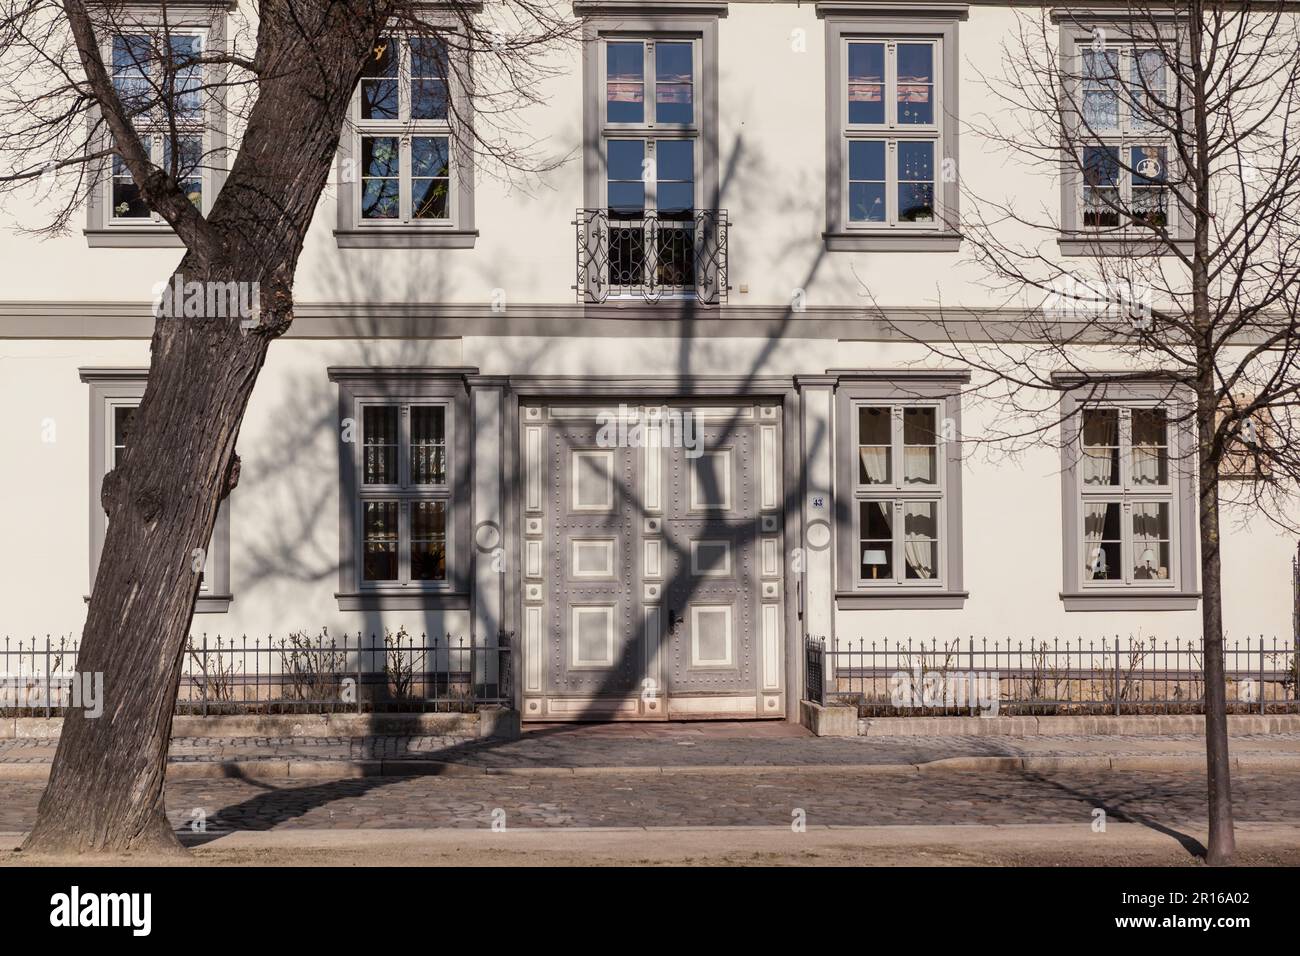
(352,769)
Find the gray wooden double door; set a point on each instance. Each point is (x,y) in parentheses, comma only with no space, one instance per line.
(652,562)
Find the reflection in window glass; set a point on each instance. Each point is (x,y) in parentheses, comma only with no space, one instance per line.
(867,181)
(916,182)
(674,89)
(625,82)
(866,93)
(916,84)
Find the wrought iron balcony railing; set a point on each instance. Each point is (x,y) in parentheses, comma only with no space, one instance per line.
(652,256)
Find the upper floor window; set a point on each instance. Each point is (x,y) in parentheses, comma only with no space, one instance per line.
(892,98)
(176,107)
(406,178)
(1121,168)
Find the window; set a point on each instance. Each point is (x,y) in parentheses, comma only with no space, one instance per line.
(404,500)
(402,173)
(891,179)
(650,145)
(404,494)
(1119,188)
(1130,518)
(900,534)
(114,397)
(177,111)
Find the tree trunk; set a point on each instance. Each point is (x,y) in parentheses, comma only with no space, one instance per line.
(1222,843)
(105,792)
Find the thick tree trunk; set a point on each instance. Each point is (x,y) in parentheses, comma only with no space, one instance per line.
(1221,845)
(106,785)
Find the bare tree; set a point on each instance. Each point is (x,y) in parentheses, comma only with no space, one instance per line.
(80,81)
(1170,130)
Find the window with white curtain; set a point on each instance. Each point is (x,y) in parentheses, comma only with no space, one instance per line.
(899,494)
(1128,501)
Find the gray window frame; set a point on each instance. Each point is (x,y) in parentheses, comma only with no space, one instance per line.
(1074,29)
(848,21)
(1181,592)
(102,231)
(356,388)
(459,232)
(117,387)
(899,389)
(657,21)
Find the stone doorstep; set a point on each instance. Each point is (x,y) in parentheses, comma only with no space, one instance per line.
(488,722)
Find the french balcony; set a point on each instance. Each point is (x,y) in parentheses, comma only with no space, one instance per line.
(652,256)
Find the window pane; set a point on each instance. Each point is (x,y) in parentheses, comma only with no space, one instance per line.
(866,83)
(916,182)
(380,440)
(1101,89)
(428,541)
(380,526)
(674,91)
(131,57)
(1101,186)
(875,431)
(921,539)
(128,203)
(1147,89)
(675,168)
(1150,185)
(920,456)
(379,82)
(916,83)
(626,159)
(867,181)
(1100,460)
(428,445)
(189,166)
(430,177)
(1150,447)
(123,419)
(428,79)
(380,185)
(1151,542)
(188,72)
(1101,544)
(625,82)
(875,540)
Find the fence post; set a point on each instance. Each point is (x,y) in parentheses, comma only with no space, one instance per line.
(345,644)
(47,677)
(1117,710)
(1261,675)
(204,669)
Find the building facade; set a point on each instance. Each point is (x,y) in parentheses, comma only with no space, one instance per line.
(656,416)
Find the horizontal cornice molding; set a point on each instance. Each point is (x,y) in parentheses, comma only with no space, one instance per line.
(892,8)
(407,320)
(649,8)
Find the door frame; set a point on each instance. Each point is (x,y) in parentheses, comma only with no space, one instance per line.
(523,390)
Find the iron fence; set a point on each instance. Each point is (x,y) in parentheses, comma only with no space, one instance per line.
(1072,676)
(297,674)
(652,255)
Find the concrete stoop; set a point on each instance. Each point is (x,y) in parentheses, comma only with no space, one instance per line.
(843,721)
(497,722)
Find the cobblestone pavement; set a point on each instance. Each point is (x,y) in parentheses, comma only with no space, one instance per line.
(569,747)
(836,797)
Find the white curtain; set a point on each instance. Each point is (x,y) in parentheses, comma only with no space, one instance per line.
(875,464)
(919,538)
(918,464)
(1102,432)
(1094,526)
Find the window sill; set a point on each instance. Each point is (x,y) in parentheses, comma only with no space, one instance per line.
(1130,601)
(133,237)
(403,601)
(893,241)
(206,604)
(900,599)
(1137,246)
(406,238)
